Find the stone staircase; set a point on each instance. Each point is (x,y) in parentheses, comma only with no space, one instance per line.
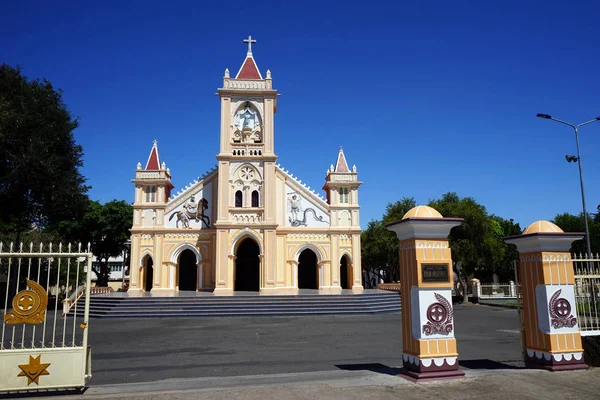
(240,305)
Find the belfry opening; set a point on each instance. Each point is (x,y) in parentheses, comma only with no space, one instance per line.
(188,270)
(307,270)
(247,266)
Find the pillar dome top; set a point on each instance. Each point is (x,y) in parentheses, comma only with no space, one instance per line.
(422,212)
(542,227)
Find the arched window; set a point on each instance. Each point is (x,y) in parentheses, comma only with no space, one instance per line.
(238,198)
(150,194)
(343,195)
(255,198)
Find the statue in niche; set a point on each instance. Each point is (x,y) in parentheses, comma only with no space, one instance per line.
(247,125)
(295,211)
(192,210)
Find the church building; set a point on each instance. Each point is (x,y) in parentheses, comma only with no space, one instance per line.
(248,224)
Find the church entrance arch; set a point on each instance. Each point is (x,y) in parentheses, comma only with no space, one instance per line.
(148,269)
(188,270)
(308,270)
(247,266)
(345,273)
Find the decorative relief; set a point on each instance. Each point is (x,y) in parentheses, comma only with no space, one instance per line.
(560,312)
(192,236)
(439,317)
(192,211)
(146,236)
(247,128)
(246,217)
(295,211)
(308,236)
(34,369)
(29,306)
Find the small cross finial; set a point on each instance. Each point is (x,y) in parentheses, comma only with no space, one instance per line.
(249,41)
(155,143)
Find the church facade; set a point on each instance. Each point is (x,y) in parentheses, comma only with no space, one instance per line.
(248,224)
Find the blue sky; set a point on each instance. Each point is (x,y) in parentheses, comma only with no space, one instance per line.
(425,97)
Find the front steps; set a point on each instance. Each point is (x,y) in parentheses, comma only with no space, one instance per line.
(240,305)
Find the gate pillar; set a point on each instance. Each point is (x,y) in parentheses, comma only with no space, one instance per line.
(552,336)
(426,279)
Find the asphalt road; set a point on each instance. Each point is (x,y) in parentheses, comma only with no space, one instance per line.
(144,350)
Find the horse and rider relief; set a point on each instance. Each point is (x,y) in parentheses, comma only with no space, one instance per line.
(192,211)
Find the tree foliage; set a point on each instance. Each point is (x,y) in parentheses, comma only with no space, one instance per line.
(106,227)
(379,246)
(477,244)
(575,223)
(40,182)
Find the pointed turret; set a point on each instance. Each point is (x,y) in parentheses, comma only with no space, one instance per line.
(249,69)
(341,165)
(153,163)
(341,182)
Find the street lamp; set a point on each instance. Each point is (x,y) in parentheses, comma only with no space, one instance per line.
(578,160)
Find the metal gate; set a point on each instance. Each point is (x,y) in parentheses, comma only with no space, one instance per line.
(43,344)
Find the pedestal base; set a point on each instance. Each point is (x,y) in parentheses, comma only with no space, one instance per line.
(426,376)
(554,361)
(430,367)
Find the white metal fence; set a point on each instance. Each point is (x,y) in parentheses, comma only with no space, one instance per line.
(587,293)
(40,347)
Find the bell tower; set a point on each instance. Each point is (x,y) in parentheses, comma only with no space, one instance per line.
(246,162)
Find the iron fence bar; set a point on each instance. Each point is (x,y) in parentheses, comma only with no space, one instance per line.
(64,332)
(38,281)
(56,298)
(28,277)
(14,328)
(86,313)
(75,310)
(6,299)
(48,293)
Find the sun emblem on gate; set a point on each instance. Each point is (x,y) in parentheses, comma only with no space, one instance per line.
(439,317)
(29,306)
(560,312)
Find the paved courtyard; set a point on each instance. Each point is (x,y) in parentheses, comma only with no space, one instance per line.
(144,350)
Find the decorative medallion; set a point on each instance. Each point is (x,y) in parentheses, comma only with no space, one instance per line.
(29,306)
(34,369)
(247,173)
(560,312)
(439,317)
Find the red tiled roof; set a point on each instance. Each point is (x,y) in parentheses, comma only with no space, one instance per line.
(249,70)
(153,160)
(341,165)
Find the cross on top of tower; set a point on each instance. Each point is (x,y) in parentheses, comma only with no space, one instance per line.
(249,41)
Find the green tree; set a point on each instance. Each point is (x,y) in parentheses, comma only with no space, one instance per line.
(40,182)
(505,268)
(379,246)
(477,241)
(106,227)
(575,223)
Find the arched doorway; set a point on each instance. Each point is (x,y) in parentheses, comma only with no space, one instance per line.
(345,273)
(188,270)
(148,273)
(307,270)
(247,266)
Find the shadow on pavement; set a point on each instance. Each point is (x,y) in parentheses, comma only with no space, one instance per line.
(487,364)
(41,393)
(373,367)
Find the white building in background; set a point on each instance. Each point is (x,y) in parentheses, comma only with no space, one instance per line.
(119,271)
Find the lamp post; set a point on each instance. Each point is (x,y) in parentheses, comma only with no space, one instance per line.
(578,160)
